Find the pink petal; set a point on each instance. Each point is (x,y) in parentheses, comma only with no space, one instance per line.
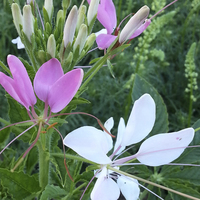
(164,148)
(9,85)
(46,76)
(129,187)
(105,188)
(105,40)
(107,15)
(89,143)
(142,28)
(64,89)
(22,83)
(121,131)
(141,120)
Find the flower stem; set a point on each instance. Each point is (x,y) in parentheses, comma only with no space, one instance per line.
(44,162)
(154,184)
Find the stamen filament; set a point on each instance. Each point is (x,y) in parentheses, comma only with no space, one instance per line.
(16,138)
(163,9)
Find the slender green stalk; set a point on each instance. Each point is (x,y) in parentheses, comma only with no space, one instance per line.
(73,157)
(44,163)
(154,184)
(190,107)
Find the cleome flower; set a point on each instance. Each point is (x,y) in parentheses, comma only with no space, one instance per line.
(51,86)
(94,144)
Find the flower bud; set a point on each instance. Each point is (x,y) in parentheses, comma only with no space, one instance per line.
(51,46)
(66,4)
(70,26)
(28,21)
(60,15)
(17,16)
(92,10)
(48,5)
(81,38)
(134,23)
(81,16)
(90,41)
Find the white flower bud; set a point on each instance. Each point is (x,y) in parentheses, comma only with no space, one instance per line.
(81,38)
(17,16)
(92,10)
(28,21)
(134,23)
(48,5)
(70,26)
(51,46)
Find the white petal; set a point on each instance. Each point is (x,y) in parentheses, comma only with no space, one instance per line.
(105,188)
(129,187)
(102,31)
(19,43)
(141,120)
(121,131)
(164,148)
(109,125)
(89,143)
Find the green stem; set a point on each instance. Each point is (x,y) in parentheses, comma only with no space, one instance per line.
(69,156)
(44,162)
(154,184)
(92,71)
(190,107)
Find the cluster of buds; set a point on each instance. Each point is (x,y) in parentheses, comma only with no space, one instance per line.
(68,40)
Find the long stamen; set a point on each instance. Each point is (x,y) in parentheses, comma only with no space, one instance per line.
(34,120)
(16,138)
(163,9)
(126,159)
(82,113)
(63,150)
(89,183)
(150,191)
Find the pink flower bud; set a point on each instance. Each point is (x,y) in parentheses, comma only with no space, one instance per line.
(134,23)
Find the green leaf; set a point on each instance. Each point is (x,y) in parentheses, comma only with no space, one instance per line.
(140,87)
(110,67)
(18,113)
(188,174)
(52,191)
(19,185)
(181,187)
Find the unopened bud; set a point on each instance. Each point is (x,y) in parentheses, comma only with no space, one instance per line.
(51,46)
(81,16)
(66,4)
(81,38)
(90,41)
(134,23)
(70,26)
(28,21)
(60,15)
(29,2)
(92,10)
(48,5)
(17,16)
